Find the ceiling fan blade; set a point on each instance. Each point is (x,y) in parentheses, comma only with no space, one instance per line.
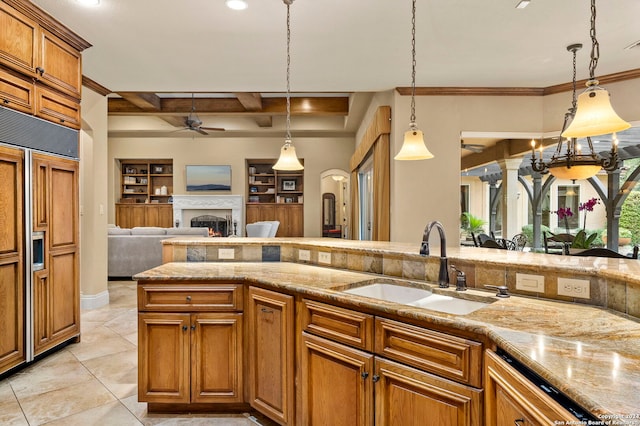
(199,130)
(174,120)
(217,129)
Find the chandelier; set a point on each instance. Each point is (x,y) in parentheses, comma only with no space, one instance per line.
(413,147)
(288,159)
(573,164)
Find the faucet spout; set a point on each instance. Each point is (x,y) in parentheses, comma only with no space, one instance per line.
(443,275)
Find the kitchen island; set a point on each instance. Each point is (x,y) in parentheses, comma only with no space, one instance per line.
(589,353)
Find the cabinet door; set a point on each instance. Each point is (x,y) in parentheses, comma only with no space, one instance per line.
(19,42)
(253,213)
(290,218)
(16,92)
(11,258)
(61,64)
(57,215)
(509,396)
(216,358)
(164,357)
(158,215)
(271,354)
(57,108)
(410,397)
(336,384)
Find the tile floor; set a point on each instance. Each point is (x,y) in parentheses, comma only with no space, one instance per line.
(94,382)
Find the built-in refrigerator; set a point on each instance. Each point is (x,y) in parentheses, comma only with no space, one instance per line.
(39,238)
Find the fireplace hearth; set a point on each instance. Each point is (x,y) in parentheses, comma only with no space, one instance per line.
(218,226)
(224,207)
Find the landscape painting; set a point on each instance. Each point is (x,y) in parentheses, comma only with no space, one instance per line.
(208,178)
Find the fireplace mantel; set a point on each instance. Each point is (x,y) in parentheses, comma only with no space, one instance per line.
(209,202)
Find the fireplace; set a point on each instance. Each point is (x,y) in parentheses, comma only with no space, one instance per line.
(226,211)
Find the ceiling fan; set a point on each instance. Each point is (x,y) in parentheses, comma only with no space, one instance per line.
(473,147)
(193,122)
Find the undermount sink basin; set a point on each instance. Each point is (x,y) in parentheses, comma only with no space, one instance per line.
(417,297)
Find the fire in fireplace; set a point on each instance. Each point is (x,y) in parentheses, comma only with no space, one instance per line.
(218,226)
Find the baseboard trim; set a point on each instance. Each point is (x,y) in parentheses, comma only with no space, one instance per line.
(94,301)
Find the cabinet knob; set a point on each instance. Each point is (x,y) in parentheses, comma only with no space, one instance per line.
(518,422)
(6,101)
(193,327)
(188,298)
(185,328)
(40,71)
(266,311)
(375,378)
(364,374)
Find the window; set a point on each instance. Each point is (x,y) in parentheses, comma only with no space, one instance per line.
(569,197)
(365,183)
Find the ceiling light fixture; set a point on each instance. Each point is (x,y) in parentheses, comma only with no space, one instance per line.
(288,159)
(573,164)
(413,146)
(522,4)
(236,4)
(595,115)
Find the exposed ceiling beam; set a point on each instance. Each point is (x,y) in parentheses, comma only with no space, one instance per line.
(506,148)
(318,106)
(143,100)
(253,102)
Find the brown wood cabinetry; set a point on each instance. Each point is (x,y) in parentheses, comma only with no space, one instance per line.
(510,398)
(132,215)
(56,287)
(189,354)
(12,306)
(339,380)
(275,195)
(270,334)
(40,73)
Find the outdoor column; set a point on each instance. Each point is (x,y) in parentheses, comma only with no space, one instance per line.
(493,189)
(509,200)
(613,209)
(536,207)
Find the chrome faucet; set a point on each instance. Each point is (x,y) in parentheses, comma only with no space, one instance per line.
(443,275)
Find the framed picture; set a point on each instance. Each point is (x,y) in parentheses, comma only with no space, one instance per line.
(208,178)
(288,200)
(288,185)
(158,169)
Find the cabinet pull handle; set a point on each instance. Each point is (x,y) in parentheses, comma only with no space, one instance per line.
(375,378)
(188,298)
(185,328)
(518,422)
(40,71)
(364,374)
(6,101)
(266,311)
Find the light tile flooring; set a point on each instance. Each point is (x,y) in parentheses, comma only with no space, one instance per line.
(94,382)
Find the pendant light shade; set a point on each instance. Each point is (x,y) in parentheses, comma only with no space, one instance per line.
(413,147)
(575,172)
(288,159)
(595,115)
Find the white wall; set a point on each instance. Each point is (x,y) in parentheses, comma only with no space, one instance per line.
(319,154)
(93,201)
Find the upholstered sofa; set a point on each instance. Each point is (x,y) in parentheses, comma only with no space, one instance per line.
(138,249)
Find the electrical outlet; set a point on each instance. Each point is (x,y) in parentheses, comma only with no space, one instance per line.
(226,253)
(304,255)
(324,257)
(573,288)
(529,282)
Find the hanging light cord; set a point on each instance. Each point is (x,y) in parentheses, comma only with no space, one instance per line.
(288,122)
(595,46)
(412,119)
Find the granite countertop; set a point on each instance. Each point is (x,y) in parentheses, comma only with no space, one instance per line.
(589,353)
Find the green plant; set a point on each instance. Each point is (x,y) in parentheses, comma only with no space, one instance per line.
(584,240)
(471,223)
(630,216)
(528,231)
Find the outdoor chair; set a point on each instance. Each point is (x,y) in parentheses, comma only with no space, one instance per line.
(557,243)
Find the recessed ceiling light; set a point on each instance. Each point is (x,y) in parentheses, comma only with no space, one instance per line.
(522,4)
(89,2)
(237,4)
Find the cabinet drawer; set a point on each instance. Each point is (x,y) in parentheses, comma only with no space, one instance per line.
(342,325)
(447,356)
(16,92)
(190,298)
(57,108)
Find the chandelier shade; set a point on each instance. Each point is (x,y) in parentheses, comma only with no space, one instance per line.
(413,147)
(578,172)
(594,116)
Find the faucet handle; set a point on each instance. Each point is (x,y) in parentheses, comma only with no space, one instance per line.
(503,290)
(458,272)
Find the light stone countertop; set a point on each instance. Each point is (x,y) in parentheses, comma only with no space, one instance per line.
(589,353)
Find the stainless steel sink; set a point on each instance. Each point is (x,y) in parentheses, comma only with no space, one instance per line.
(418,297)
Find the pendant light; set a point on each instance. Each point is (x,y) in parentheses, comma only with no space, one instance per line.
(413,146)
(573,164)
(595,115)
(288,159)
